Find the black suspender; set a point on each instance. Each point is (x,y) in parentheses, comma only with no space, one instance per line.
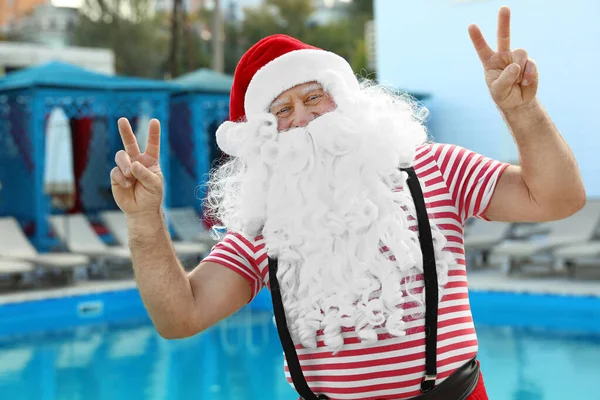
(431,302)
(286,339)
(431,282)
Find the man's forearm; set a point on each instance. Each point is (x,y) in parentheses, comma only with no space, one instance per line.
(162,281)
(548,166)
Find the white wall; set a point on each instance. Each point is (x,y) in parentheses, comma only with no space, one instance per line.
(423,45)
(14,54)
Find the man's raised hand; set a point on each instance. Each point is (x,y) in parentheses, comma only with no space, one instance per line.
(137,181)
(511,76)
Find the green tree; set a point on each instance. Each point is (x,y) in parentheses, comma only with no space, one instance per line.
(362,8)
(129,28)
(234,47)
(357,13)
(359,60)
(139,37)
(344,35)
(294,15)
(192,51)
(259,22)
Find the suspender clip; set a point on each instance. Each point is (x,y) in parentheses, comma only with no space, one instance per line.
(428,383)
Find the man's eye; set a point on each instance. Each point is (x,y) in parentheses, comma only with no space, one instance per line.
(283,111)
(314,98)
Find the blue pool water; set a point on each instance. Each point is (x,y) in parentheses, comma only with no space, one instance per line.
(241,359)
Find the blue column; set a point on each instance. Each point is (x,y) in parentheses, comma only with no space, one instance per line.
(200,122)
(162,114)
(37,130)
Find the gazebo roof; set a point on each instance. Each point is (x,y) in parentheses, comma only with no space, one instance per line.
(63,75)
(205,80)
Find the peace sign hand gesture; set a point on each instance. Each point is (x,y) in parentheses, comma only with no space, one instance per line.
(137,181)
(510,75)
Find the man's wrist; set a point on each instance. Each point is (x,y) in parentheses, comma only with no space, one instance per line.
(526,119)
(144,226)
(523,111)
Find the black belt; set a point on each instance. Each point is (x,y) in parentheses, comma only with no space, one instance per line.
(457,386)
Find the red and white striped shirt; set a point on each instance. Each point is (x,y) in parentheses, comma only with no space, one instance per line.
(458,184)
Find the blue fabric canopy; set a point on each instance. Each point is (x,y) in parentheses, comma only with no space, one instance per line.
(59,74)
(205,80)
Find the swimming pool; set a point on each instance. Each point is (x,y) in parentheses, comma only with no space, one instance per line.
(241,359)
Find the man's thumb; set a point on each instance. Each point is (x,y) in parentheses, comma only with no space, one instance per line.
(147,178)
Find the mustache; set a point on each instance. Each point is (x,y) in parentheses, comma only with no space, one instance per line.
(322,139)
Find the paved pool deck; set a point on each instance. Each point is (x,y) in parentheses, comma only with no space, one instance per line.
(531,280)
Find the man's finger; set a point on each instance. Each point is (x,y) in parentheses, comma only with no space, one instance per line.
(530,76)
(153,145)
(483,49)
(530,82)
(149,179)
(519,56)
(117,178)
(506,80)
(504,30)
(127,136)
(124,163)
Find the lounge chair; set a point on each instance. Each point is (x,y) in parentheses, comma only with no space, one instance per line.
(188,226)
(480,238)
(526,230)
(578,228)
(117,224)
(76,232)
(15,245)
(16,270)
(578,254)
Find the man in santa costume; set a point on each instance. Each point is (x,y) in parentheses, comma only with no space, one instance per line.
(321,194)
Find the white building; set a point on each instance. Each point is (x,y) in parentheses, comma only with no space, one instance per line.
(42,35)
(14,56)
(46,24)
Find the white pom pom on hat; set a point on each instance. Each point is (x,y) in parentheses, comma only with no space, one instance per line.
(226,139)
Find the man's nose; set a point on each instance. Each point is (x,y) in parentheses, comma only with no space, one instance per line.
(303,117)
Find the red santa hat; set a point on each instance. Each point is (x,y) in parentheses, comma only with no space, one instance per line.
(276,64)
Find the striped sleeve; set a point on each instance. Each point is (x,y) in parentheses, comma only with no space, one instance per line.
(470,177)
(238,253)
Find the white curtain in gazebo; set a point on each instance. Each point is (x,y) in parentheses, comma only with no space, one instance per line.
(141,133)
(59,178)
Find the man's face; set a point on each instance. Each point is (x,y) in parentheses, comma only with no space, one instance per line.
(298,106)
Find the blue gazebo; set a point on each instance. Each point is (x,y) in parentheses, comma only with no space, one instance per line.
(92,102)
(199,104)
(198,107)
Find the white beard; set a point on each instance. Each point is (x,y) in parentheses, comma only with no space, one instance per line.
(326,198)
